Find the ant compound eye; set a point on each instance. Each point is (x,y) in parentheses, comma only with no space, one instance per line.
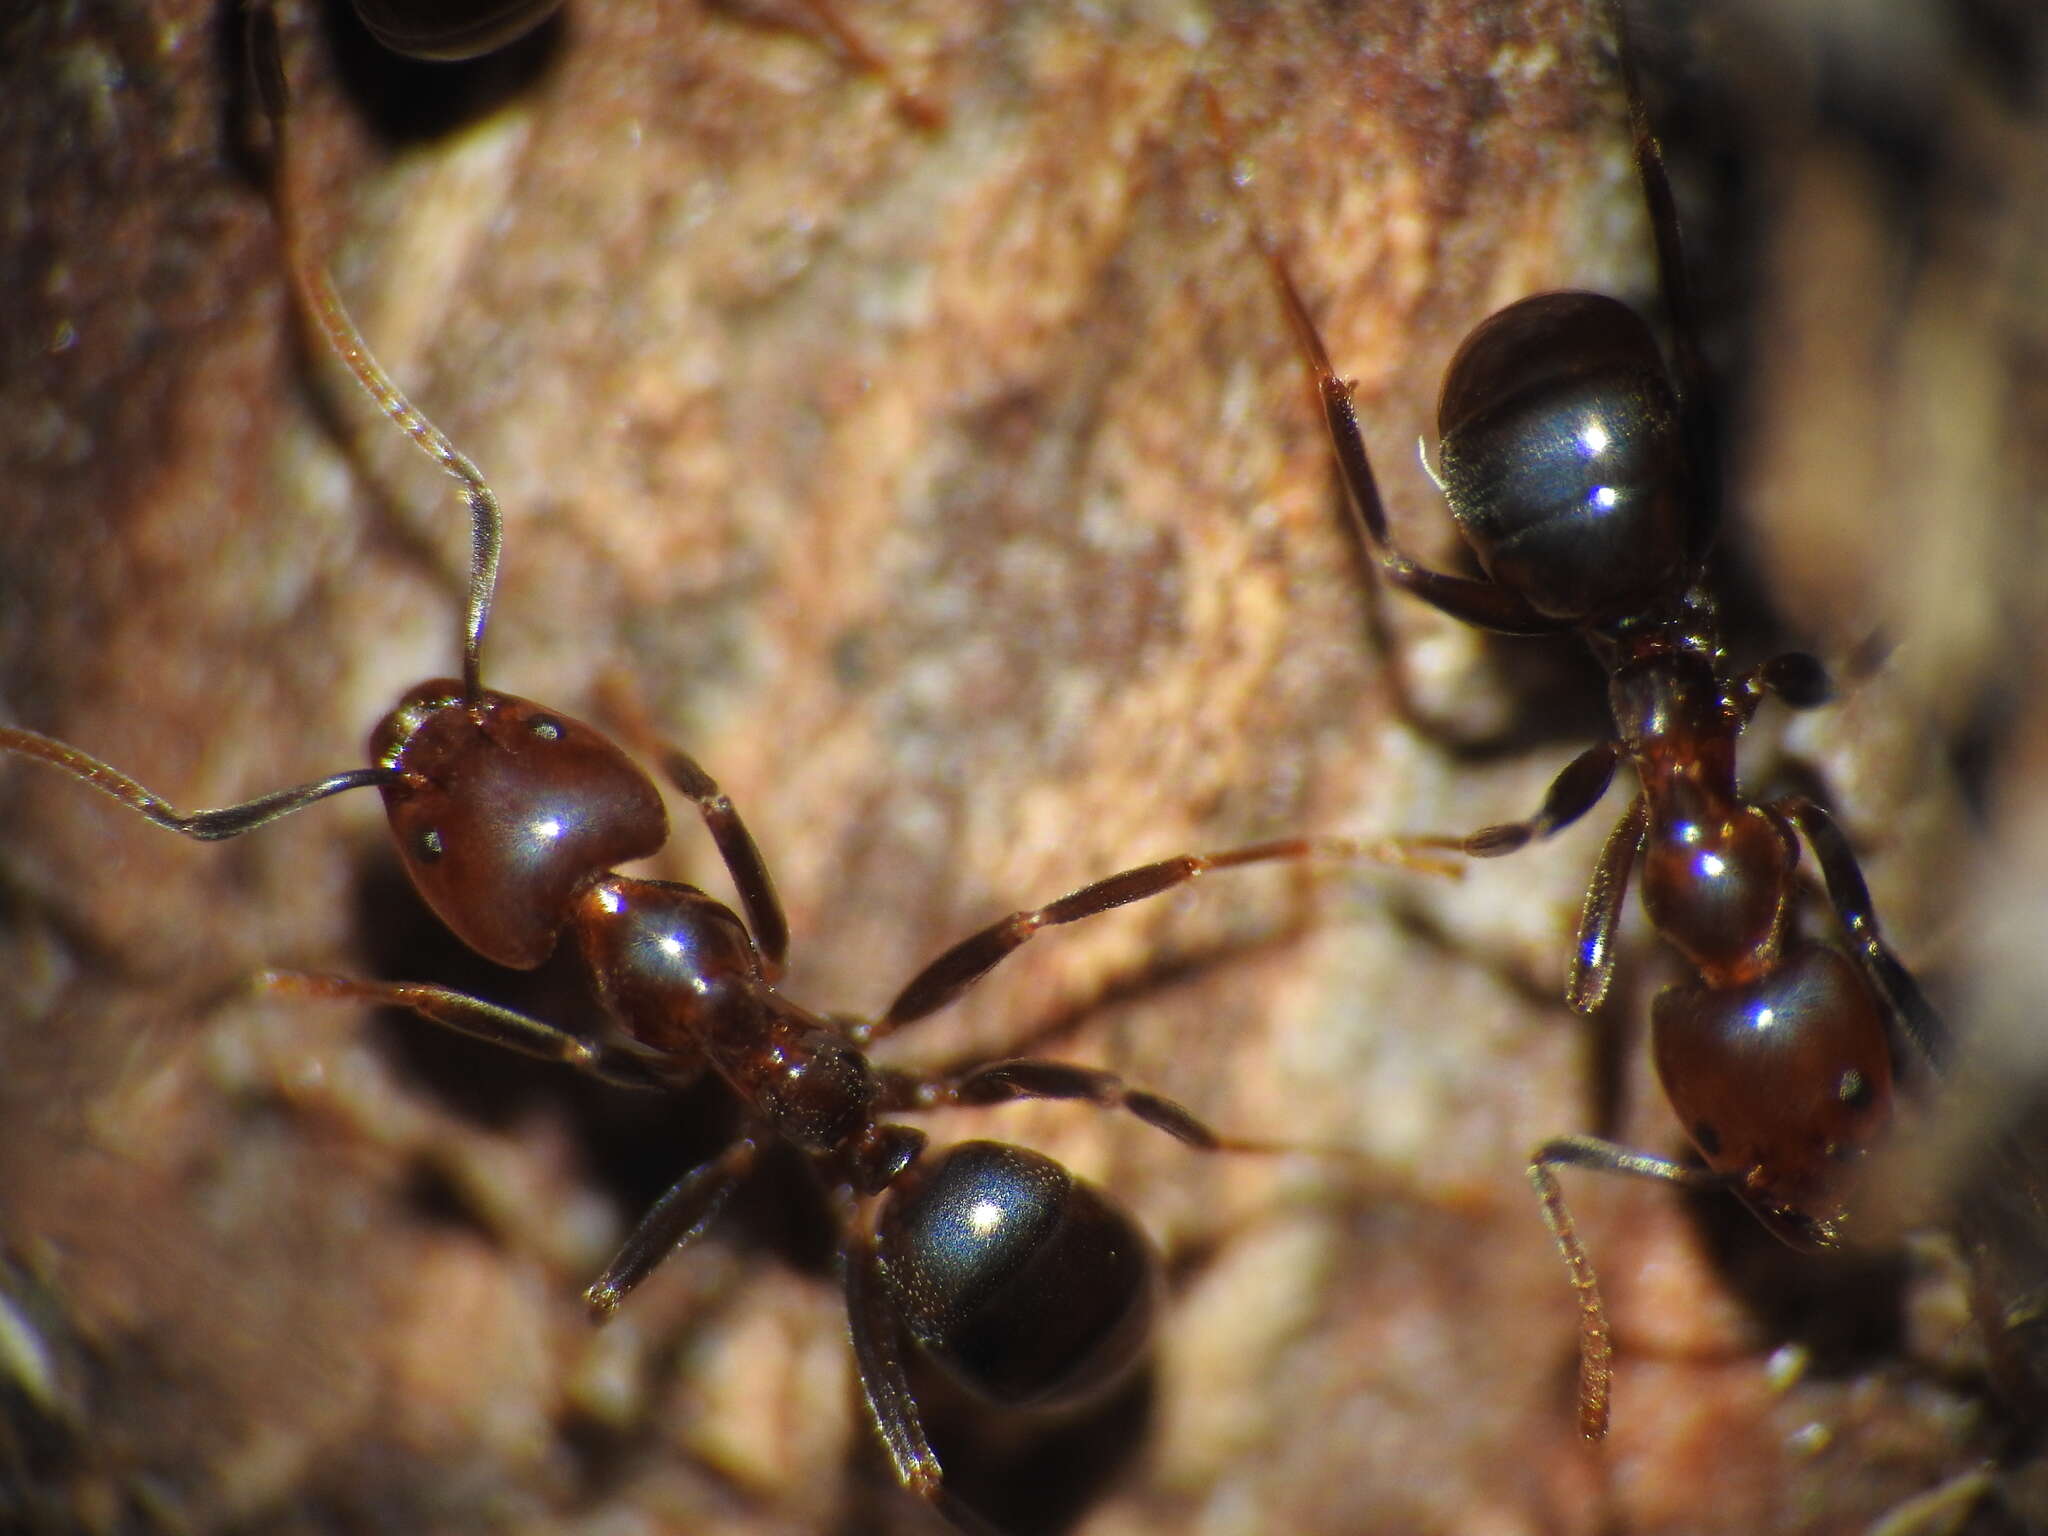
(430,847)
(544,728)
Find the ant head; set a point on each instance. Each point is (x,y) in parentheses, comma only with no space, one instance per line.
(503,809)
(1562,456)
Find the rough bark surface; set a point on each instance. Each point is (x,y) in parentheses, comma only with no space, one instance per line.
(955,495)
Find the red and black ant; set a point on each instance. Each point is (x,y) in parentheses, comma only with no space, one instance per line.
(1575,463)
(1028,1286)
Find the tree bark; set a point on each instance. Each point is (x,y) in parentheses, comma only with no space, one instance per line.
(955,495)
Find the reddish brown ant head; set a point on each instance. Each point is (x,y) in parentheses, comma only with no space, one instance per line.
(503,809)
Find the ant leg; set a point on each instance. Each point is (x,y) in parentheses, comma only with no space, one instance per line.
(736,845)
(1592,967)
(1575,791)
(960,967)
(1850,897)
(206,826)
(743,859)
(1596,1338)
(885,1385)
(1695,390)
(878,1356)
(1000,1082)
(476,1018)
(1482,603)
(690,1205)
(1797,678)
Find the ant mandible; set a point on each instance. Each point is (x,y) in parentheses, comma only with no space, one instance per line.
(1577,468)
(1027,1285)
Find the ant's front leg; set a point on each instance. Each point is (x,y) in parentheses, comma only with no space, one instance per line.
(479,1020)
(1592,964)
(677,1218)
(743,861)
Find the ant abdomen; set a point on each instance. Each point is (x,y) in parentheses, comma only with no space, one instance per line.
(1561,455)
(1804,1038)
(502,808)
(1025,1283)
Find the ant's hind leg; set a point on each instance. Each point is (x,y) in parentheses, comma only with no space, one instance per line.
(878,1353)
(690,1206)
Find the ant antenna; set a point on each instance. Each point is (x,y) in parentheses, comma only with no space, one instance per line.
(320,300)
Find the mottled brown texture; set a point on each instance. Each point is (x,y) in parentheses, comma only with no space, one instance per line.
(956,497)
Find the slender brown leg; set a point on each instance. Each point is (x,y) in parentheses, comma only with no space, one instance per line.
(1695,391)
(999,1082)
(743,859)
(885,1385)
(736,845)
(1483,603)
(1850,897)
(1596,1340)
(1592,966)
(960,967)
(878,1355)
(690,1206)
(476,1018)
(1575,791)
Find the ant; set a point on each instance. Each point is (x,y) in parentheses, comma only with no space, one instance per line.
(1028,1286)
(1577,467)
